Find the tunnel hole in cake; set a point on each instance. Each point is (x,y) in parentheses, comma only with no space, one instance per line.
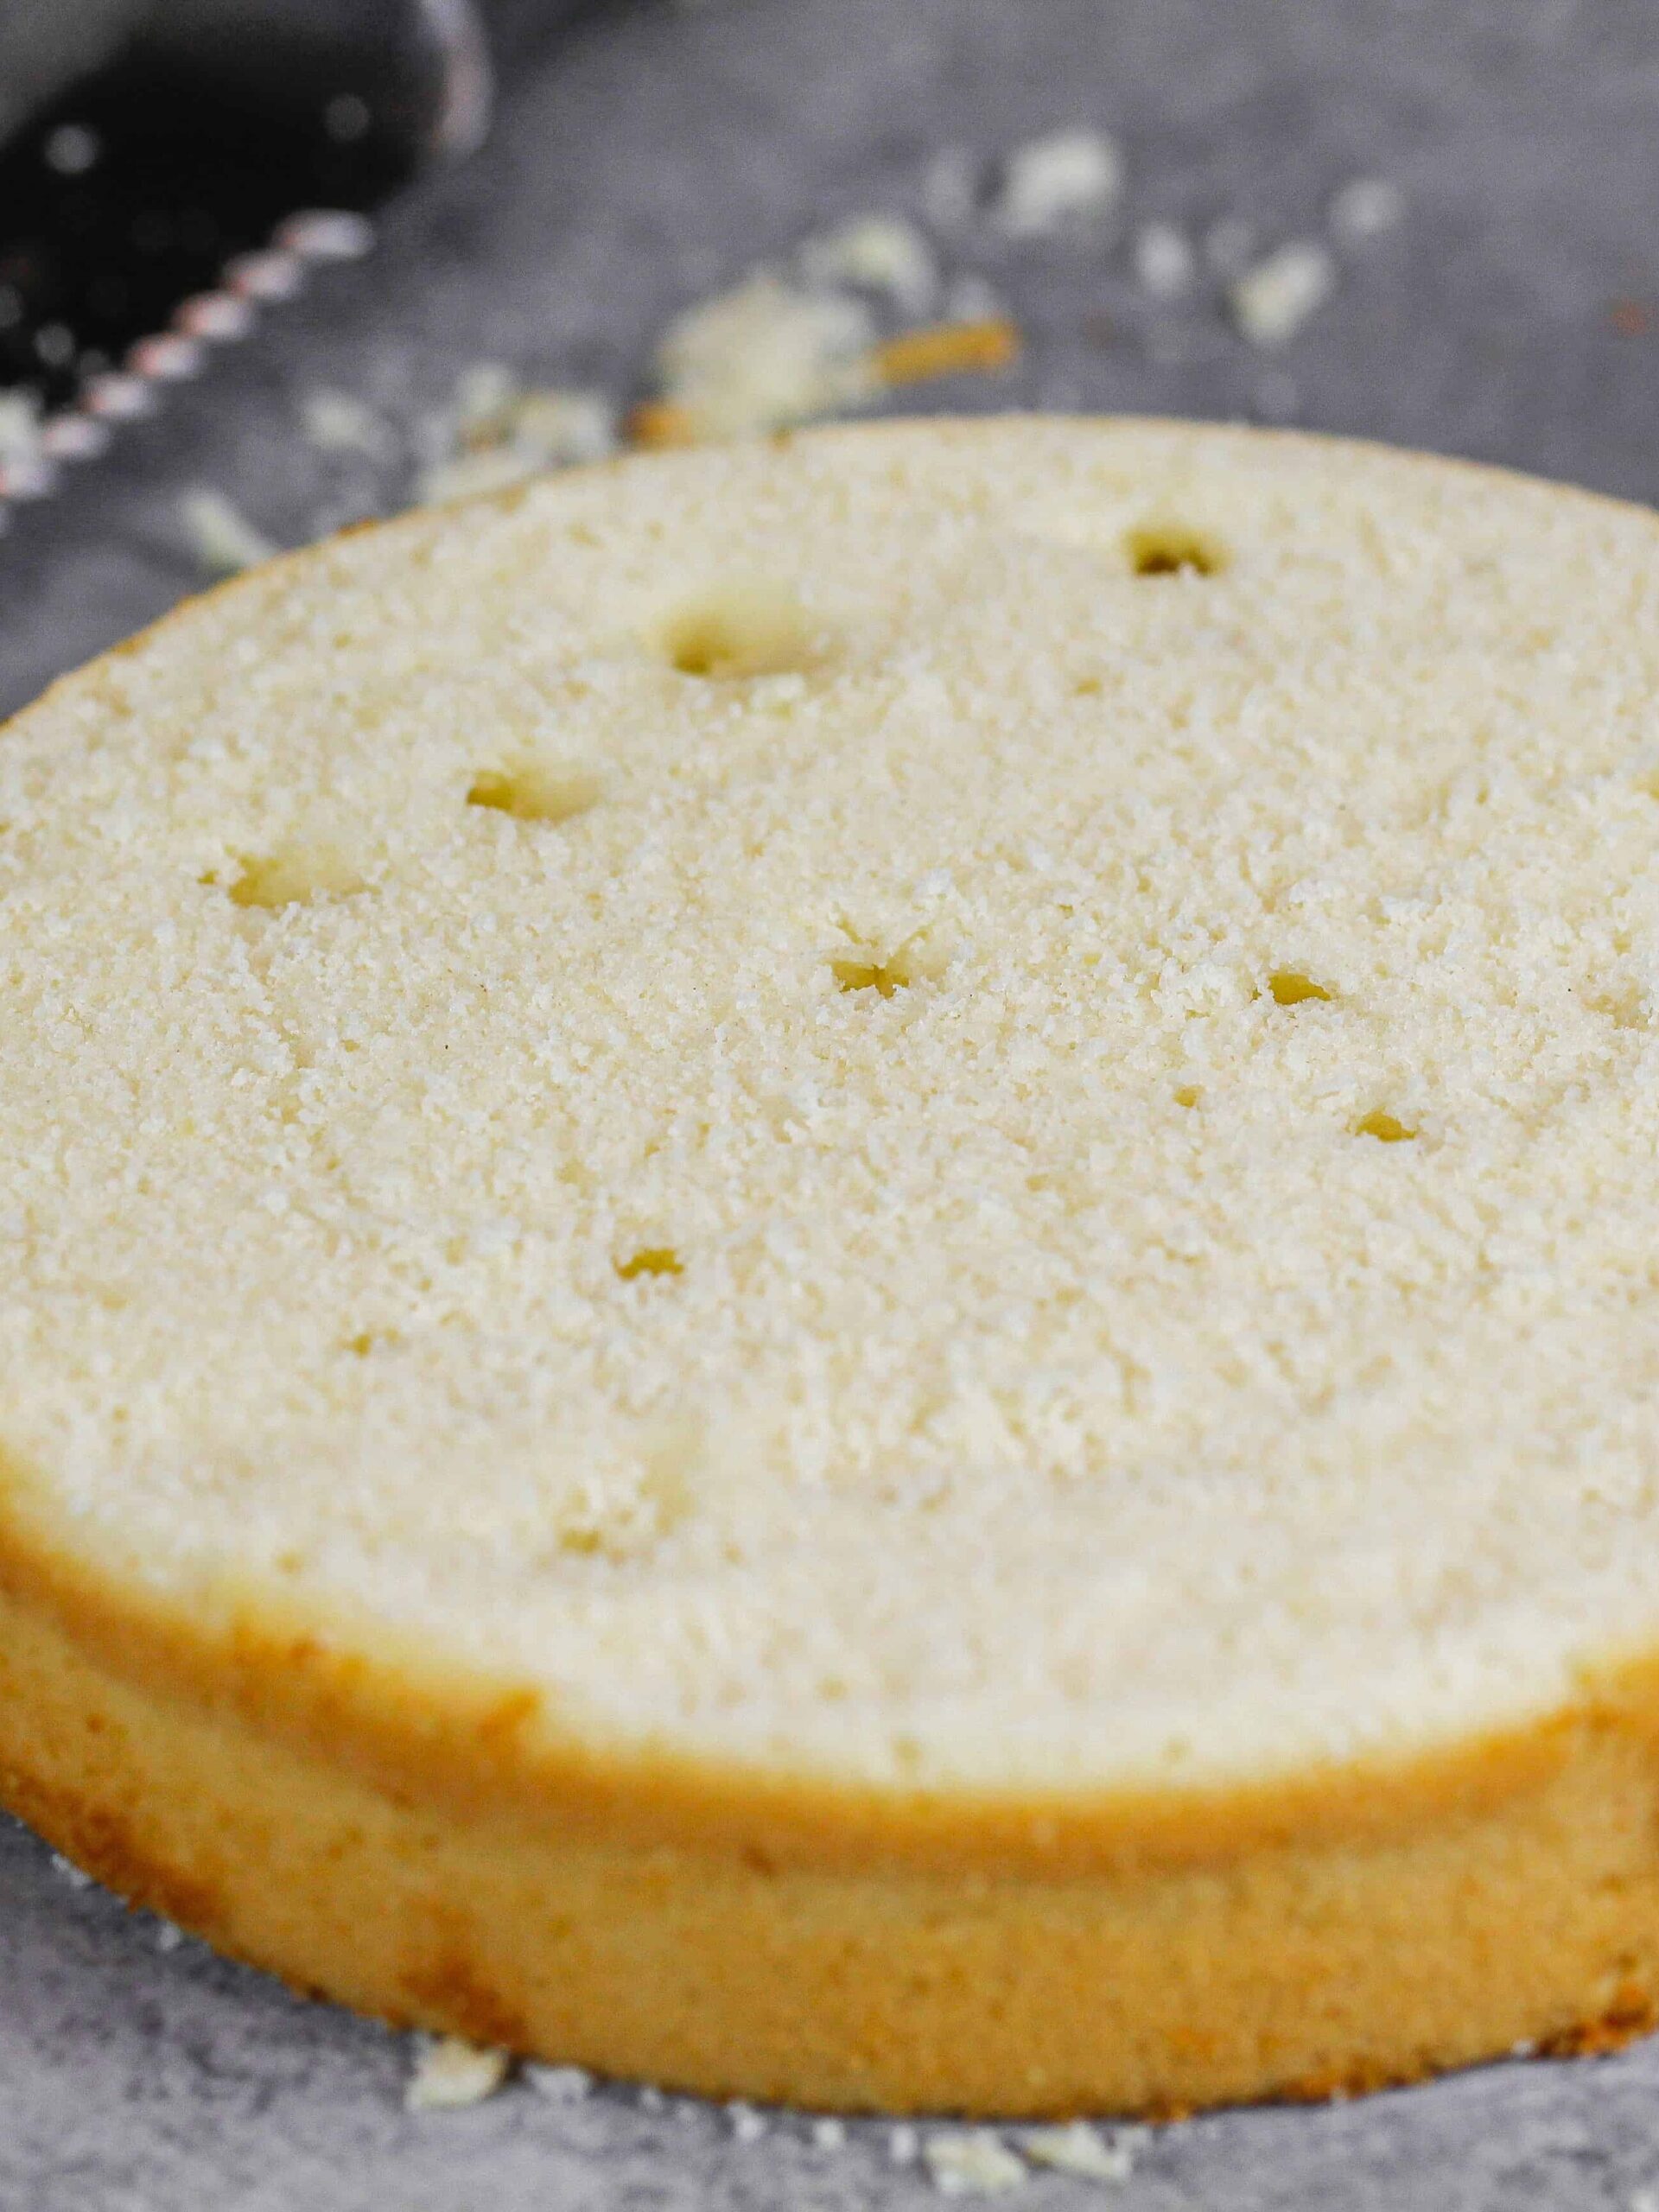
(1293,986)
(294,876)
(650,1259)
(857,972)
(1386,1127)
(864,967)
(747,627)
(1172,549)
(536,791)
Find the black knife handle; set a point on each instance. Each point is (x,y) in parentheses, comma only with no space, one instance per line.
(212,121)
(410,76)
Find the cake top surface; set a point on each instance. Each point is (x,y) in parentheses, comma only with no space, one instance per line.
(974,1104)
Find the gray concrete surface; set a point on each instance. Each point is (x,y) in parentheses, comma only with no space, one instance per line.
(1514,315)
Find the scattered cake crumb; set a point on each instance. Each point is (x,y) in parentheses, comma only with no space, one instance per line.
(76,1877)
(1364,207)
(946,349)
(747,2125)
(1065,177)
(1082,2151)
(1164,264)
(904,2144)
(768,354)
(547,423)
(169,1935)
(560,2084)
(761,355)
(338,422)
(449,2074)
(1272,300)
(657,425)
(20,426)
(220,535)
(498,435)
(972,2162)
(829,2134)
(880,253)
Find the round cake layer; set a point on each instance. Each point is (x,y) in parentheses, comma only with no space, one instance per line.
(954,1120)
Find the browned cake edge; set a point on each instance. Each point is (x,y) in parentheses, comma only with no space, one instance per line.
(426,1848)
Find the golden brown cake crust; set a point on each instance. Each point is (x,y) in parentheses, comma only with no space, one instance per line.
(381,1841)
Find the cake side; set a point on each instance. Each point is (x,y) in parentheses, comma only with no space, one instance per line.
(1300,1968)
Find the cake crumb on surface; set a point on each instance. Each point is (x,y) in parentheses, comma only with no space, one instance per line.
(1271,302)
(20,426)
(657,426)
(880,253)
(1064,177)
(972,2162)
(1164,264)
(339,422)
(747,2125)
(501,434)
(1364,207)
(449,2074)
(768,354)
(1082,2151)
(947,349)
(221,536)
(560,2084)
(764,353)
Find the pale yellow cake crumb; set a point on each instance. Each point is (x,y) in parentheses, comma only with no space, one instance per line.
(1082,2151)
(449,2074)
(220,535)
(972,2162)
(1274,299)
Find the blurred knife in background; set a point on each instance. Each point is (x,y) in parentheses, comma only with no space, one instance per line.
(164,164)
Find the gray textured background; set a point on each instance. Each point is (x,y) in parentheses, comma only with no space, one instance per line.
(649,158)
